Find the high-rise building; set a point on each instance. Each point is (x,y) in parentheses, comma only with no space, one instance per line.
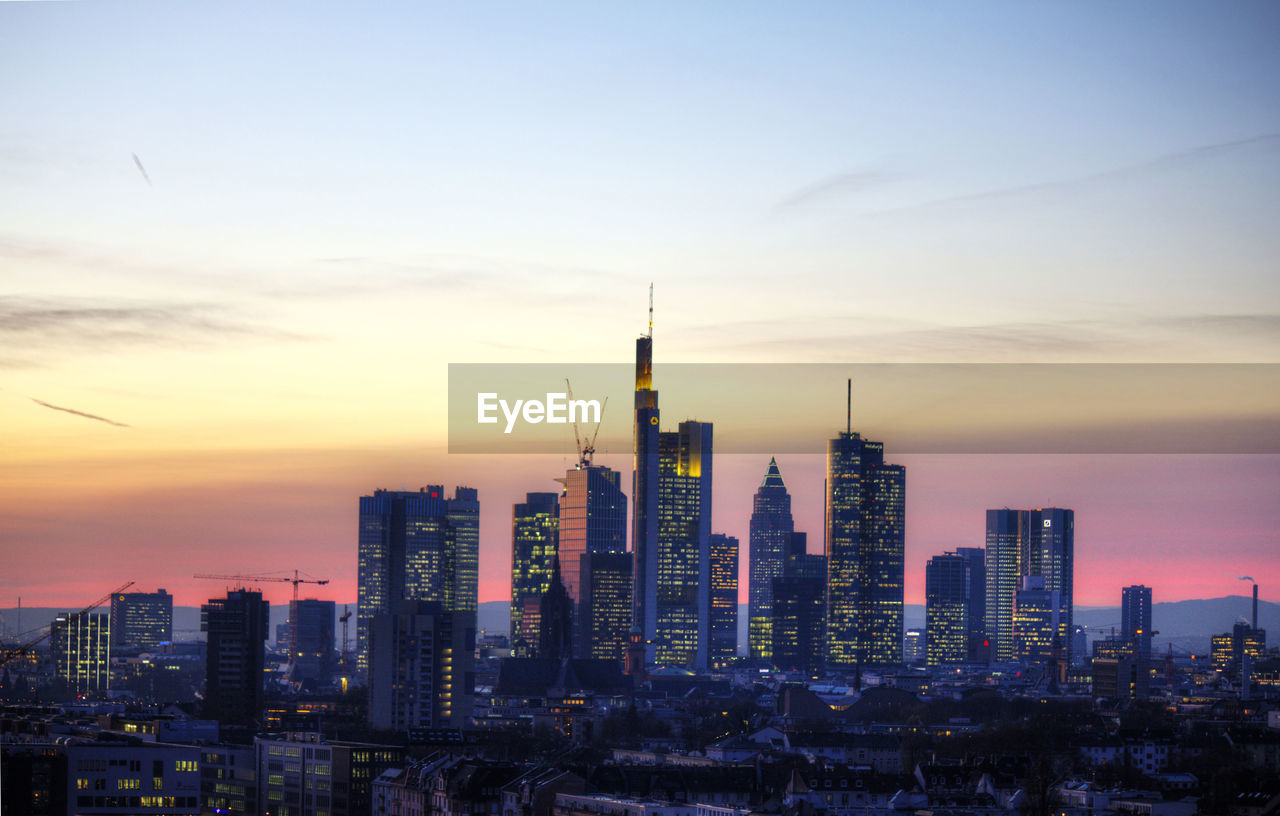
(535,525)
(1035,620)
(1006,530)
(915,644)
(311,642)
(236,627)
(555,619)
(80,646)
(768,542)
(422,667)
(724,597)
(416,546)
(1056,528)
(141,621)
(798,615)
(865,540)
(644,495)
(947,605)
(682,589)
(604,619)
(1135,618)
(593,521)
(979,648)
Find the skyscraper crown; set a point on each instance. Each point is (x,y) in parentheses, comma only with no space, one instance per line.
(772,476)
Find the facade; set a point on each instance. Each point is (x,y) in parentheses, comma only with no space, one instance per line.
(1023,543)
(421,667)
(141,621)
(303,774)
(724,598)
(798,616)
(605,612)
(1056,528)
(644,497)
(1035,620)
(947,605)
(865,539)
(229,780)
(416,546)
(682,602)
(311,641)
(1135,618)
(769,544)
(80,646)
(979,648)
(535,525)
(111,778)
(236,627)
(1006,529)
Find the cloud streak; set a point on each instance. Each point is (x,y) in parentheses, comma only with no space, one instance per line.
(854,182)
(74,412)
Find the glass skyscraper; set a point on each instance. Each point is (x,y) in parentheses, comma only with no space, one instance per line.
(798,615)
(769,541)
(947,603)
(593,522)
(416,546)
(865,540)
(1028,543)
(535,524)
(724,597)
(1135,618)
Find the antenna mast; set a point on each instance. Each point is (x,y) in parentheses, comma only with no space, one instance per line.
(650,310)
(848,408)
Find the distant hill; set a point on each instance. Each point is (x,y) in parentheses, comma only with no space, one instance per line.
(1187,623)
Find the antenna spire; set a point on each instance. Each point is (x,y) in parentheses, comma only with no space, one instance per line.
(651,309)
(848,407)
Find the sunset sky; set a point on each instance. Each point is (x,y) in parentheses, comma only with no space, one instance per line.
(242,243)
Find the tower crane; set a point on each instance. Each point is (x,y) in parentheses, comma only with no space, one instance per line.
(585,452)
(9,655)
(258,579)
(346,616)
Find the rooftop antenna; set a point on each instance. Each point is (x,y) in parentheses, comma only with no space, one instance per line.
(650,310)
(848,408)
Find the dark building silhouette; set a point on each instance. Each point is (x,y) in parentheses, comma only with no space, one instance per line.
(768,542)
(141,621)
(555,624)
(422,667)
(416,546)
(946,603)
(978,648)
(1135,618)
(865,540)
(311,649)
(236,628)
(724,597)
(535,525)
(798,614)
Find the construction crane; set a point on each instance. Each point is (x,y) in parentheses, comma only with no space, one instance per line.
(10,655)
(585,452)
(346,616)
(262,579)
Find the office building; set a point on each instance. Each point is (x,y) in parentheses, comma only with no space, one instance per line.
(798,616)
(416,546)
(421,667)
(768,543)
(1026,543)
(1135,618)
(229,780)
(535,525)
(311,642)
(80,645)
(604,616)
(865,539)
(978,648)
(724,598)
(236,628)
(948,599)
(1035,621)
(141,621)
(1121,678)
(302,774)
(644,495)
(1006,530)
(914,647)
(1056,528)
(682,589)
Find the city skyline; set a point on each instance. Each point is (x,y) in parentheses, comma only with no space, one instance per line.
(210,298)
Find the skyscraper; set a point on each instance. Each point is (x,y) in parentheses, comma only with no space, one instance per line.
(593,521)
(724,597)
(1036,611)
(604,619)
(416,546)
(798,615)
(947,604)
(682,589)
(1056,527)
(422,667)
(141,620)
(978,647)
(1006,532)
(535,525)
(237,637)
(80,646)
(644,493)
(865,540)
(311,641)
(768,541)
(1135,618)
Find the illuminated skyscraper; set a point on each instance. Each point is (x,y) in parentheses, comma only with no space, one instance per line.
(1028,543)
(1056,528)
(683,580)
(768,542)
(798,614)
(604,618)
(724,597)
(80,646)
(1035,620)
(1006,532)
(416,546)
(141,621)
(593,521)
(644,493)
(1135,618)
(535,526)
(865,539)
(947,603)
(236,657)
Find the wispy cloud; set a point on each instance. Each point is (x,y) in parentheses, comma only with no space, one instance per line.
(832,186)
(74,412)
